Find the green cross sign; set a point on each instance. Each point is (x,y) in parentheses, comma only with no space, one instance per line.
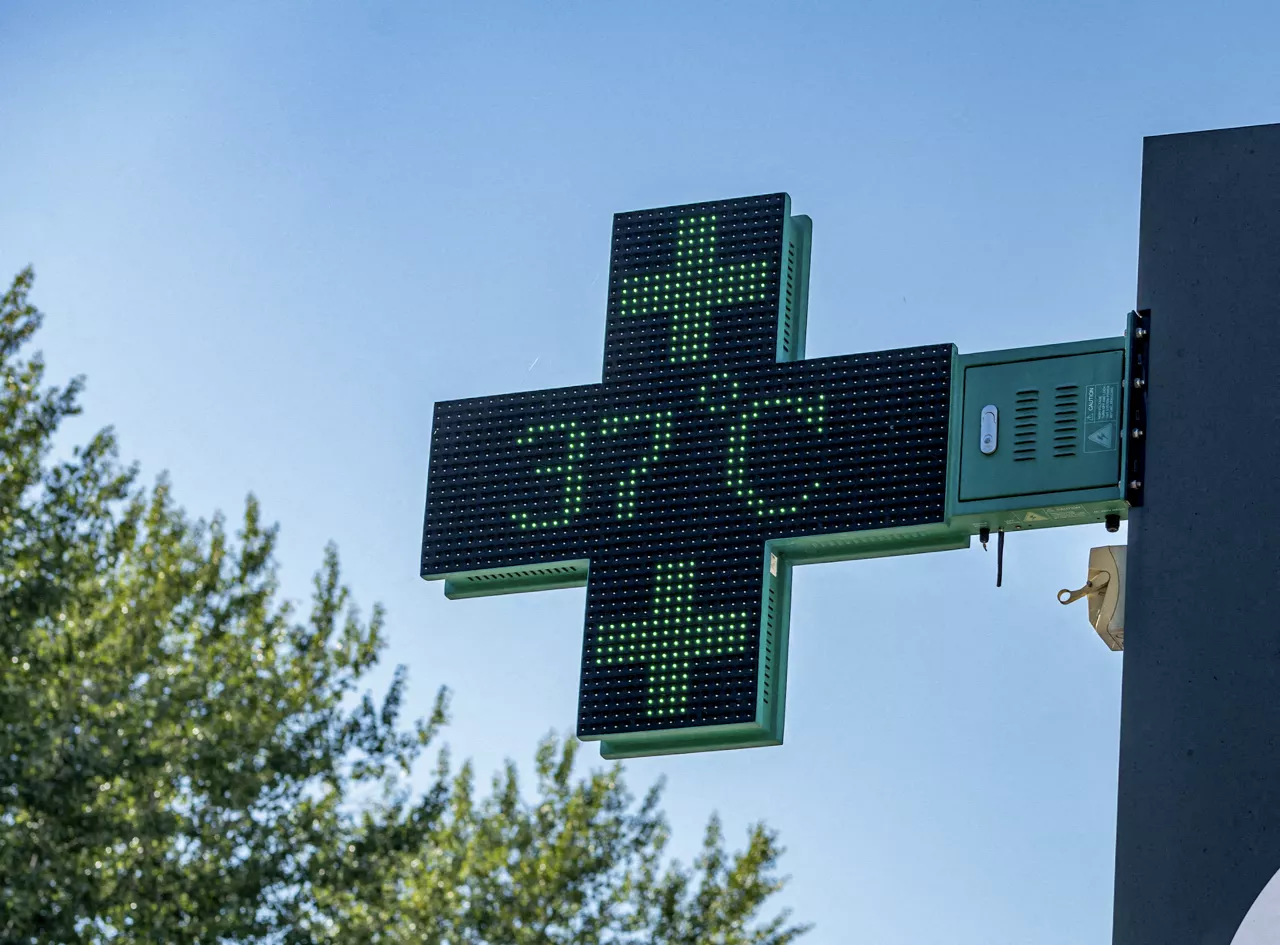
(711,459)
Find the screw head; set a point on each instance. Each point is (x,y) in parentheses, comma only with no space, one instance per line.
(1136,434)
(1139,383)
(1135,484)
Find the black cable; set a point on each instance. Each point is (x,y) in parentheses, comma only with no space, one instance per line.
(1000,557)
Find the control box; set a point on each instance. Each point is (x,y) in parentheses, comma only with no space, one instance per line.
(1040,436)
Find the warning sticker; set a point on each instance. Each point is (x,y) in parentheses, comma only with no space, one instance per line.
(1034,517)
(1066,512)
(1101,413)
(1104,437)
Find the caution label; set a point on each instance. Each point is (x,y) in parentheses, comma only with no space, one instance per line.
(1066,512)
(1101,418)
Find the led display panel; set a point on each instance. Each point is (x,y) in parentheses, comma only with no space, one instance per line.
(680,487)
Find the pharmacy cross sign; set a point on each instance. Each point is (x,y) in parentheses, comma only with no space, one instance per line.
(683,487)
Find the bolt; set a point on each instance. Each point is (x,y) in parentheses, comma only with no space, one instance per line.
(1135,484)
(1139,383)
(1139,333)
(1136,434)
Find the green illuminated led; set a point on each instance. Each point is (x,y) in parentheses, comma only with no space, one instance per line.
(690,317)
(740,433)
(662,656)
(575,451)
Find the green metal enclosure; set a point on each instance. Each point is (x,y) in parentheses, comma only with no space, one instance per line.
(1053,426)
(1038,436)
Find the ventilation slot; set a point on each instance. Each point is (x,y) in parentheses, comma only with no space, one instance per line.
(527,573)
(1026,418)
(769,621)
(789,305)
(1066,420)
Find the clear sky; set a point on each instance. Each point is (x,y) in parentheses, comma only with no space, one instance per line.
(274,234)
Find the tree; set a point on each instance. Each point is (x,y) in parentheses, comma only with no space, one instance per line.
(185,757)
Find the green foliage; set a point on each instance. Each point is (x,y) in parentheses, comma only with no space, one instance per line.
(186,758)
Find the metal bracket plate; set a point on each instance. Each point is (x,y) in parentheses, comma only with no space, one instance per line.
(1137,364)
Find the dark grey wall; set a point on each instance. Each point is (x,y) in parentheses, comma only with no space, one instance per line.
(1198,831)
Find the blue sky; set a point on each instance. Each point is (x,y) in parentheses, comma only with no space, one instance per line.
(273,235)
